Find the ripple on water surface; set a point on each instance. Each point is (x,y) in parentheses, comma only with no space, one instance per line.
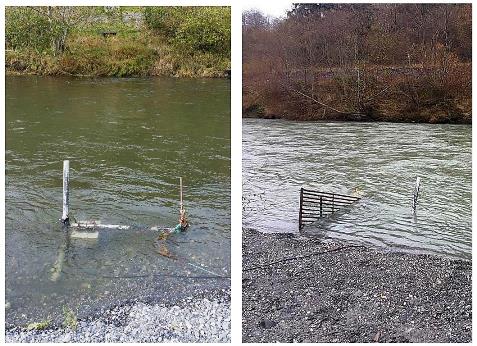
(382,161)
(128,141)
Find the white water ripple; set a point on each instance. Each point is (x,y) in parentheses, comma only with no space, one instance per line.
(382,161)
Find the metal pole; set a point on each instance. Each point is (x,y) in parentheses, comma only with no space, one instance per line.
(333,204)
(66,193)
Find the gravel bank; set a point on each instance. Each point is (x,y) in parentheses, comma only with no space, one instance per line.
(194,319)
(303,290)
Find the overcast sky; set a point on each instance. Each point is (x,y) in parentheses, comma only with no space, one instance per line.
(275,8)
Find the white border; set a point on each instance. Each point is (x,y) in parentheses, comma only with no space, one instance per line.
(236,176)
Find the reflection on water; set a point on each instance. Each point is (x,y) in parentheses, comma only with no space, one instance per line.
(128,141)
(382,161)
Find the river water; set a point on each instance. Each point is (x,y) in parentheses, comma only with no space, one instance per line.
(380,161)
(128,142)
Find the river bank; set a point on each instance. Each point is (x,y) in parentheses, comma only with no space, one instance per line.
(428,100)
(440,114)
(200,318)
(117,58)
(118,41)
(304,290)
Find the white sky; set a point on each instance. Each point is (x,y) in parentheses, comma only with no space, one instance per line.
(275,8)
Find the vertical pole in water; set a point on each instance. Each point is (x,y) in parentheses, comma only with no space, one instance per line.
(332,203)
(301,205)
(416,194)
(66,193)
(321,206)
(181,203)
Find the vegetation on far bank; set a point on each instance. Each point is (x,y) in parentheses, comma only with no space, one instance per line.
(119,42)
(364,62)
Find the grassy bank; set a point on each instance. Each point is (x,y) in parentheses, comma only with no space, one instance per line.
(135,48)
(128,56)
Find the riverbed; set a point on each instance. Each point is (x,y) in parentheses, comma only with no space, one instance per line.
(378,161)
(305,290)
(128,142)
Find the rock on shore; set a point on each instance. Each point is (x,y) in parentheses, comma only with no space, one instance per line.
(304,290)
(195,319)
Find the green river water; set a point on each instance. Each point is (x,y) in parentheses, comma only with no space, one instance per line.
(128,142)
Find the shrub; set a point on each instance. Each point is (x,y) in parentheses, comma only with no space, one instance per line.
(205,29)
(27,28)
(163,20)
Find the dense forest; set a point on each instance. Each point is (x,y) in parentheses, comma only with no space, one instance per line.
(365,62)
(118,41)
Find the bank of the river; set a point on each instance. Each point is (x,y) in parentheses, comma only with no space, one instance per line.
(127,57)
(118,41)
(199,318)
(154,64)
(440,113)
(304,290)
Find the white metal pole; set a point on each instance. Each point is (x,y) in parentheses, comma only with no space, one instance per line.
(66,192)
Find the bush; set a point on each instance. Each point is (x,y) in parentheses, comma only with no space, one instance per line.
(27,28)
(119,57)
(205,29)
(163,20)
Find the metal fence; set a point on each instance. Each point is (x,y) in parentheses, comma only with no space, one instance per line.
(317,204)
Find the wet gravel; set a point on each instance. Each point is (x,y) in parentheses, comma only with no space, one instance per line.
(204,318)
(304,290)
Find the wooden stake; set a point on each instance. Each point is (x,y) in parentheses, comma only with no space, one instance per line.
(66,193)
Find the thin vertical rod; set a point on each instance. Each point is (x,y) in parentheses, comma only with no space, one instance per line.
(416,194)
(333,204)
(66,192)
(181,205)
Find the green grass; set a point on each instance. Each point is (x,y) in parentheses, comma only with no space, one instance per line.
(128,54)
(38,325)
(69,318)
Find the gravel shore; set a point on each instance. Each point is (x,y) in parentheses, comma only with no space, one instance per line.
(303,290)
(205,318)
